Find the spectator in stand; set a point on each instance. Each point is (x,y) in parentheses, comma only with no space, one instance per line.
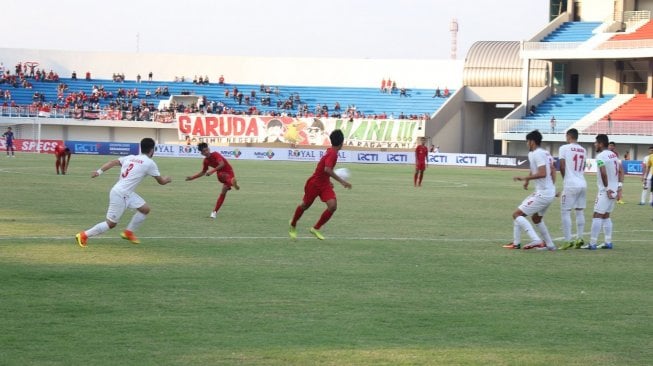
(383,86)
(446,92)
(221,80)
(437,93)
(74,75)
(402,92)
(206,80)
(138,78)
(149,76)
(88,76)
(388,85)
(394,87)
(2,68)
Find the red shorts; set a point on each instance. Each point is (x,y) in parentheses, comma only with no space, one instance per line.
(225,178)
(312,191)
(420,166)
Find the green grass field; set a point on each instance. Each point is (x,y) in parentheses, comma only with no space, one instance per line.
(406,276)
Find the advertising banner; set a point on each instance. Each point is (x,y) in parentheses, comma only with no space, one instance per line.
(103,148)
(507,161)
(27,145)
(633,167)
(224,128)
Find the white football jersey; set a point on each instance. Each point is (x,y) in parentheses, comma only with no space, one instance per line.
(536,159)
(133,169)
(574,157)
(610,161)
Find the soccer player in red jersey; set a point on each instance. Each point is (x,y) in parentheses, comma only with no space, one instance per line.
(220,166)
(421,155)
(62,158)
(319,185)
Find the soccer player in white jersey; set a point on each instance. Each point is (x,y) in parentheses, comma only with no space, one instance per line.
(542,172)
(122,196)
(647,187)
(609,179)
(572,167)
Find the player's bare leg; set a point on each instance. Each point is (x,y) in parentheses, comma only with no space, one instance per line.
(332,206)
(234,183)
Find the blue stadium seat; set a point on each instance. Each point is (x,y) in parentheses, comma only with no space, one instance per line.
(572,32)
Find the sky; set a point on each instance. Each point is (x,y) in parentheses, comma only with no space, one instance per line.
(375,29)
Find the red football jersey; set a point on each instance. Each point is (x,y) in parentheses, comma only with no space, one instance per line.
(421,153)
(214,159)
(329,159)
(59,149)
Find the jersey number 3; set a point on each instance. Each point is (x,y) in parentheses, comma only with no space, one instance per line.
(126,172)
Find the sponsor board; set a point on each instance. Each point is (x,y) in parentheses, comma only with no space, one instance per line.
(42,146)
(456,159)
(507,161)
(633,167)
(103,148)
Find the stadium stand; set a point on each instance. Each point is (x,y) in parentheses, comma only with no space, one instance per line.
(572,32)
(367,101)
(627,119)
(643,32)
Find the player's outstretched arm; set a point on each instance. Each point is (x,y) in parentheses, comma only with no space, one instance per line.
(106,166)
(335,176)
(163,180)
(196,175)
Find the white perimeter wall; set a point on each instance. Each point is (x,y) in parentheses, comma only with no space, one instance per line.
(245,70)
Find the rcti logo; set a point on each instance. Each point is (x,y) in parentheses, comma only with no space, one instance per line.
(397,157)
(368,157)
(465,159)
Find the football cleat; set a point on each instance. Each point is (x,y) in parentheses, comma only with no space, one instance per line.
(589,247)
(534,244)
(317,233)
(579,243)
(81,239)
(128,235)
(213,214)
(512,246)
(604,246)
(568,245)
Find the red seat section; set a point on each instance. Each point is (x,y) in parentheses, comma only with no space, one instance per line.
(632,118)
(643,32)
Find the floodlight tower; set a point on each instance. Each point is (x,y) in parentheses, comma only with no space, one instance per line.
(453,27)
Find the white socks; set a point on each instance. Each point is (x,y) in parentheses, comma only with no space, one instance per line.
(607,230)
(566,223)
(98,229)
(596,230)
(136,221)
(545,234)
(528,228)
(580,223)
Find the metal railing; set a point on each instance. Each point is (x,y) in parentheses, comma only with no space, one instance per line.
(633,128)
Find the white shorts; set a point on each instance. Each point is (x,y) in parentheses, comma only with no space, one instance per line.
(573,198)
(603,204)
(119,202)
(535,203)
